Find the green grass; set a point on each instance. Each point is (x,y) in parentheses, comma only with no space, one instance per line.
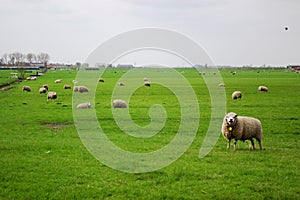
(41,160)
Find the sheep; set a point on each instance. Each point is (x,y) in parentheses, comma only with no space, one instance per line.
(80,89)
(67,87)
(26,88)
(233,73)
(121,84)
(84,105)
(222,84)
(42,90)
(74,81)
(46,87)
(146,79)
(33,78)
(119,104)
(241,128)
(147,83)
(236,95)
(52,95)
(101,80)
(28,78)
(263,89)
(58,81)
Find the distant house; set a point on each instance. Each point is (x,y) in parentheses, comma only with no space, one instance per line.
(124,66)
(295,68)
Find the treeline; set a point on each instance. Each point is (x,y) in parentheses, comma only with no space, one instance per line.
(21,59)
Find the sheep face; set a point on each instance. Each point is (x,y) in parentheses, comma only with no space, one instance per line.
(231,118)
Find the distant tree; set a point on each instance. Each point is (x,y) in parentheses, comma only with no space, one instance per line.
(5,59)
(19,58)
(22,73)
(44,58)
(11,59)
(30,57)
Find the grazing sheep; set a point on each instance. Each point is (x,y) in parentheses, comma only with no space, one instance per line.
(42,90)
(74,81)
(84,105)
(146,79)
(236,95)
(263,89)
(46,87)
(26,88)
(58,81)
(222,85)
(147,83)
(52,95)
(119,104)
(67,87)
(80,89)
(33,78)
(101,80)
(241,128)
(121,84)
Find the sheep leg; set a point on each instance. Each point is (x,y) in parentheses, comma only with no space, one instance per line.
(252,143)
(228,143)
(259,142)
(235,144)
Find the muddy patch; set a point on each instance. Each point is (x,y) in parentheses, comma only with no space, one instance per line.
(56,126)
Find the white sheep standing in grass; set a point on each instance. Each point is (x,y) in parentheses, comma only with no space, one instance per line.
(121,84)
(118,103)
(84,105)
(80,89)
(42,90)
(241,128)
(236,95)
(147,83)
(263,89)
(46,87)
(52,95)
(67,87)
(26,88)
(58,81)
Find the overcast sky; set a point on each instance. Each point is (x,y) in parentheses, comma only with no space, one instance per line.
(233,32)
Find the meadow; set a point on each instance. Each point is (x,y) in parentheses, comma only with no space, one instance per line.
(42,156)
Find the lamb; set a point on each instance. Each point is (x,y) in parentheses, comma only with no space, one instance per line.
(119,104)
(84,105)
(46,87)
(80,89)
(146,79)
(58,81)
(241,128)
(147,83)
(52,95)
(236,95)
(101,80)
(42,90)
(67,87)
(263,89)
(26,88)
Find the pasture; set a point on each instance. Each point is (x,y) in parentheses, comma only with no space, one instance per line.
(42,156)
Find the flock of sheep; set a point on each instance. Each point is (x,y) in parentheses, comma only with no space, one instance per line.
(118,103)
(233,127)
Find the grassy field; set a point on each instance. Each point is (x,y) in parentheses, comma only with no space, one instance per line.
(42,156)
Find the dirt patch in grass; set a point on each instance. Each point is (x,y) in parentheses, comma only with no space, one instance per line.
(56,126)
